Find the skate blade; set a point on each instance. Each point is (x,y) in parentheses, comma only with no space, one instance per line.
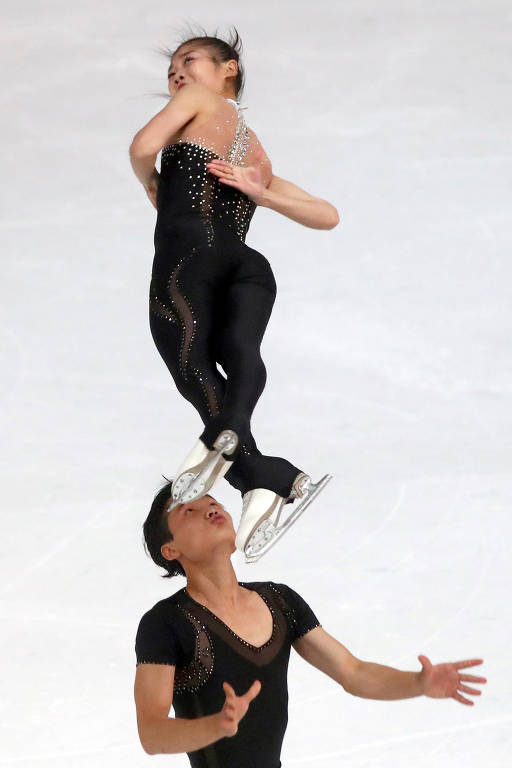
(274,534)
(198,480)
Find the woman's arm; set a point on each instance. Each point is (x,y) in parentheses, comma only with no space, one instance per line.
(148,142)
(297,204)
(280,195)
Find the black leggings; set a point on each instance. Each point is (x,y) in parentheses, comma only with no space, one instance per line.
(213,307)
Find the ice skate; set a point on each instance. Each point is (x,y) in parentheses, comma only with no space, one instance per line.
(203,467)
(263,521)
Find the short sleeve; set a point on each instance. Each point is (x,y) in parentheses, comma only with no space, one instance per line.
(301,618)
(156,642)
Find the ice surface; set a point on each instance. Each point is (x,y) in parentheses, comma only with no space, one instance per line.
(388,359)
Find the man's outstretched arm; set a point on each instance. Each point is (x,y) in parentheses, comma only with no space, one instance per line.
(377,681)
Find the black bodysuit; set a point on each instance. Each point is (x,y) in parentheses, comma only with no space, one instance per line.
(212,295)
(206,652)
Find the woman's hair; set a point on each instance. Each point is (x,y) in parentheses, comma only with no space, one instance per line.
(156,532)
(220,50)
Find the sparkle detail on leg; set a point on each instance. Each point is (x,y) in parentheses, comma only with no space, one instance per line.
(185,314)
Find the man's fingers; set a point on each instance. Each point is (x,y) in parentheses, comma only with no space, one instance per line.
(462,700)
(249,695)
(467,689)
(473,679)
(467,663)
(228,690)
(253,691)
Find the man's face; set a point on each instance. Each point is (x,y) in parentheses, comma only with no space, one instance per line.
(199,528)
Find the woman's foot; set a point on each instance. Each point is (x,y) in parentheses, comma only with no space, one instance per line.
(262,522)
(203,467)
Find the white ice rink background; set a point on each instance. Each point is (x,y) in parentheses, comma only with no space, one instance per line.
(388,356)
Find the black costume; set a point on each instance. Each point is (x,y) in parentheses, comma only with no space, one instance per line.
(206,652)
(212,295)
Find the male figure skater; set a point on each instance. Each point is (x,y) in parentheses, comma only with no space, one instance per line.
(218,650)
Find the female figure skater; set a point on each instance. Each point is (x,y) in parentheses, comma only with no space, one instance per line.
(211,295)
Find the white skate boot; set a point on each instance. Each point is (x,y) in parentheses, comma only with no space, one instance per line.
(261,525)
(203,467)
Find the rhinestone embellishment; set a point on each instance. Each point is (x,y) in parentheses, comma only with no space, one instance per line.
(208,196)
(195,674)
(256,648)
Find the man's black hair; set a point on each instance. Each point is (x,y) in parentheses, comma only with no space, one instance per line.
(156,532)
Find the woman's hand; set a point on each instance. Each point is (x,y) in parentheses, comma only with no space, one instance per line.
(152,187)
(245,178)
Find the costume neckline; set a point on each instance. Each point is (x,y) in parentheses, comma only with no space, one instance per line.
(236,104)
(241,639)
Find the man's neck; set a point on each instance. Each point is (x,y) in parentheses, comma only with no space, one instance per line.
(215,586)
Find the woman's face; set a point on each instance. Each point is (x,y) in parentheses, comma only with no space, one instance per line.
(193,64)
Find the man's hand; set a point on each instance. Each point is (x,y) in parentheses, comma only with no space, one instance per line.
(235,707)
(441,681)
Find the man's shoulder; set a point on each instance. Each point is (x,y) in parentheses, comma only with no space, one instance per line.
(286,594)
(166,607)
(258,586)
(274,587)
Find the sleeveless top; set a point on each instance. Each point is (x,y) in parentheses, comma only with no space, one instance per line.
(205,652)
(188,189)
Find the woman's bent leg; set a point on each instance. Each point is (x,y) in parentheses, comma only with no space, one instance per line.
(252,470)
(196,322)
(181,331)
